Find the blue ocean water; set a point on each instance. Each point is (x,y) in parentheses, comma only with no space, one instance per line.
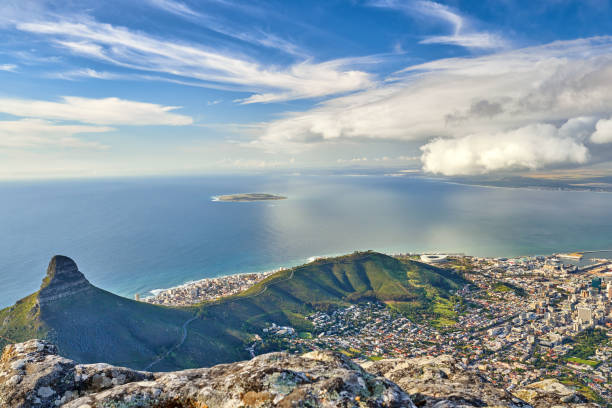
(135,235)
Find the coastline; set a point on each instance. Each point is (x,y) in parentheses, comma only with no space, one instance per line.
(155,292)
(264,272)
(246,197)
(533,188)
(147,296)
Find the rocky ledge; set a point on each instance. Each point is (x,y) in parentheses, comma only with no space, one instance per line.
(33,375)
(444,382)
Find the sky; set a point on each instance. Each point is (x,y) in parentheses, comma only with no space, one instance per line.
(450,88)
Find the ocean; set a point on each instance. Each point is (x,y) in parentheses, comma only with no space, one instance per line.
(136,235)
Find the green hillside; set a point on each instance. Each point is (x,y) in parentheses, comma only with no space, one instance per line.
(21,321)
(90,325)
(340,281)
(414,289)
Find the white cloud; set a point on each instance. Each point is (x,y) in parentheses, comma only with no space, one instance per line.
(174,7)
(34,133)
(579,128)
(353,160)
(378,160)
(254,163)
(530,147)
(473,40)
(454,98)
(86,73)
(106,111)
(226,28)
(461,33)
(603,132)
(136,50)
(8,67)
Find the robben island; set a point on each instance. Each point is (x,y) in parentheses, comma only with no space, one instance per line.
(306,204)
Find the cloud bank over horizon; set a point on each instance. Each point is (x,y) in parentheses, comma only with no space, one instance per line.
(476,115)
(467,89)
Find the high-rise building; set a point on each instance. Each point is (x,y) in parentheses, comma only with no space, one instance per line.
(609,290)
(596,283)
(585,315)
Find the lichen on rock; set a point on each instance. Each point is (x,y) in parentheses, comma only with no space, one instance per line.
(445,382)
(32,374)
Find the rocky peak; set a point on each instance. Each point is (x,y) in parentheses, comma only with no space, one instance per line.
(63,279)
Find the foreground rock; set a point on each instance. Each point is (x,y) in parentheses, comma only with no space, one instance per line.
(551,393)
(444,382)
(33,375)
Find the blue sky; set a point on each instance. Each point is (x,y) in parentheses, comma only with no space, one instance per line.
(113,88)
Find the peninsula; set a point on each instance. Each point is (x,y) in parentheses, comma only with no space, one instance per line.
(243,197)
(506,332)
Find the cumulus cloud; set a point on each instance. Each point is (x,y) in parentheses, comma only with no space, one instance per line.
(603,132)
(579,128)
(105,111)
(130,49)
(530,147)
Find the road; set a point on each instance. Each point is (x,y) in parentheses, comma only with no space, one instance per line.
(180,343)
(184,336)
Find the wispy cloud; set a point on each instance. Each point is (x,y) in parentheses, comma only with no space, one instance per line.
(462,33)
(521,102)
(86,73)
(471,40)
(8,67)
(106,111)
(174,7)
(135,50)
(51,124)
(378,160)
(38,133)
(254,163)
(227,28)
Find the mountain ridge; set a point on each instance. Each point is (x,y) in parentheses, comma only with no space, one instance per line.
(90,324)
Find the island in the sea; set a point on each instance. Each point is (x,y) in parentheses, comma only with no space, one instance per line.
(249,197)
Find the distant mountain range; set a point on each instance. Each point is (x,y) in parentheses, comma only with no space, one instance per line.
(89,324)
